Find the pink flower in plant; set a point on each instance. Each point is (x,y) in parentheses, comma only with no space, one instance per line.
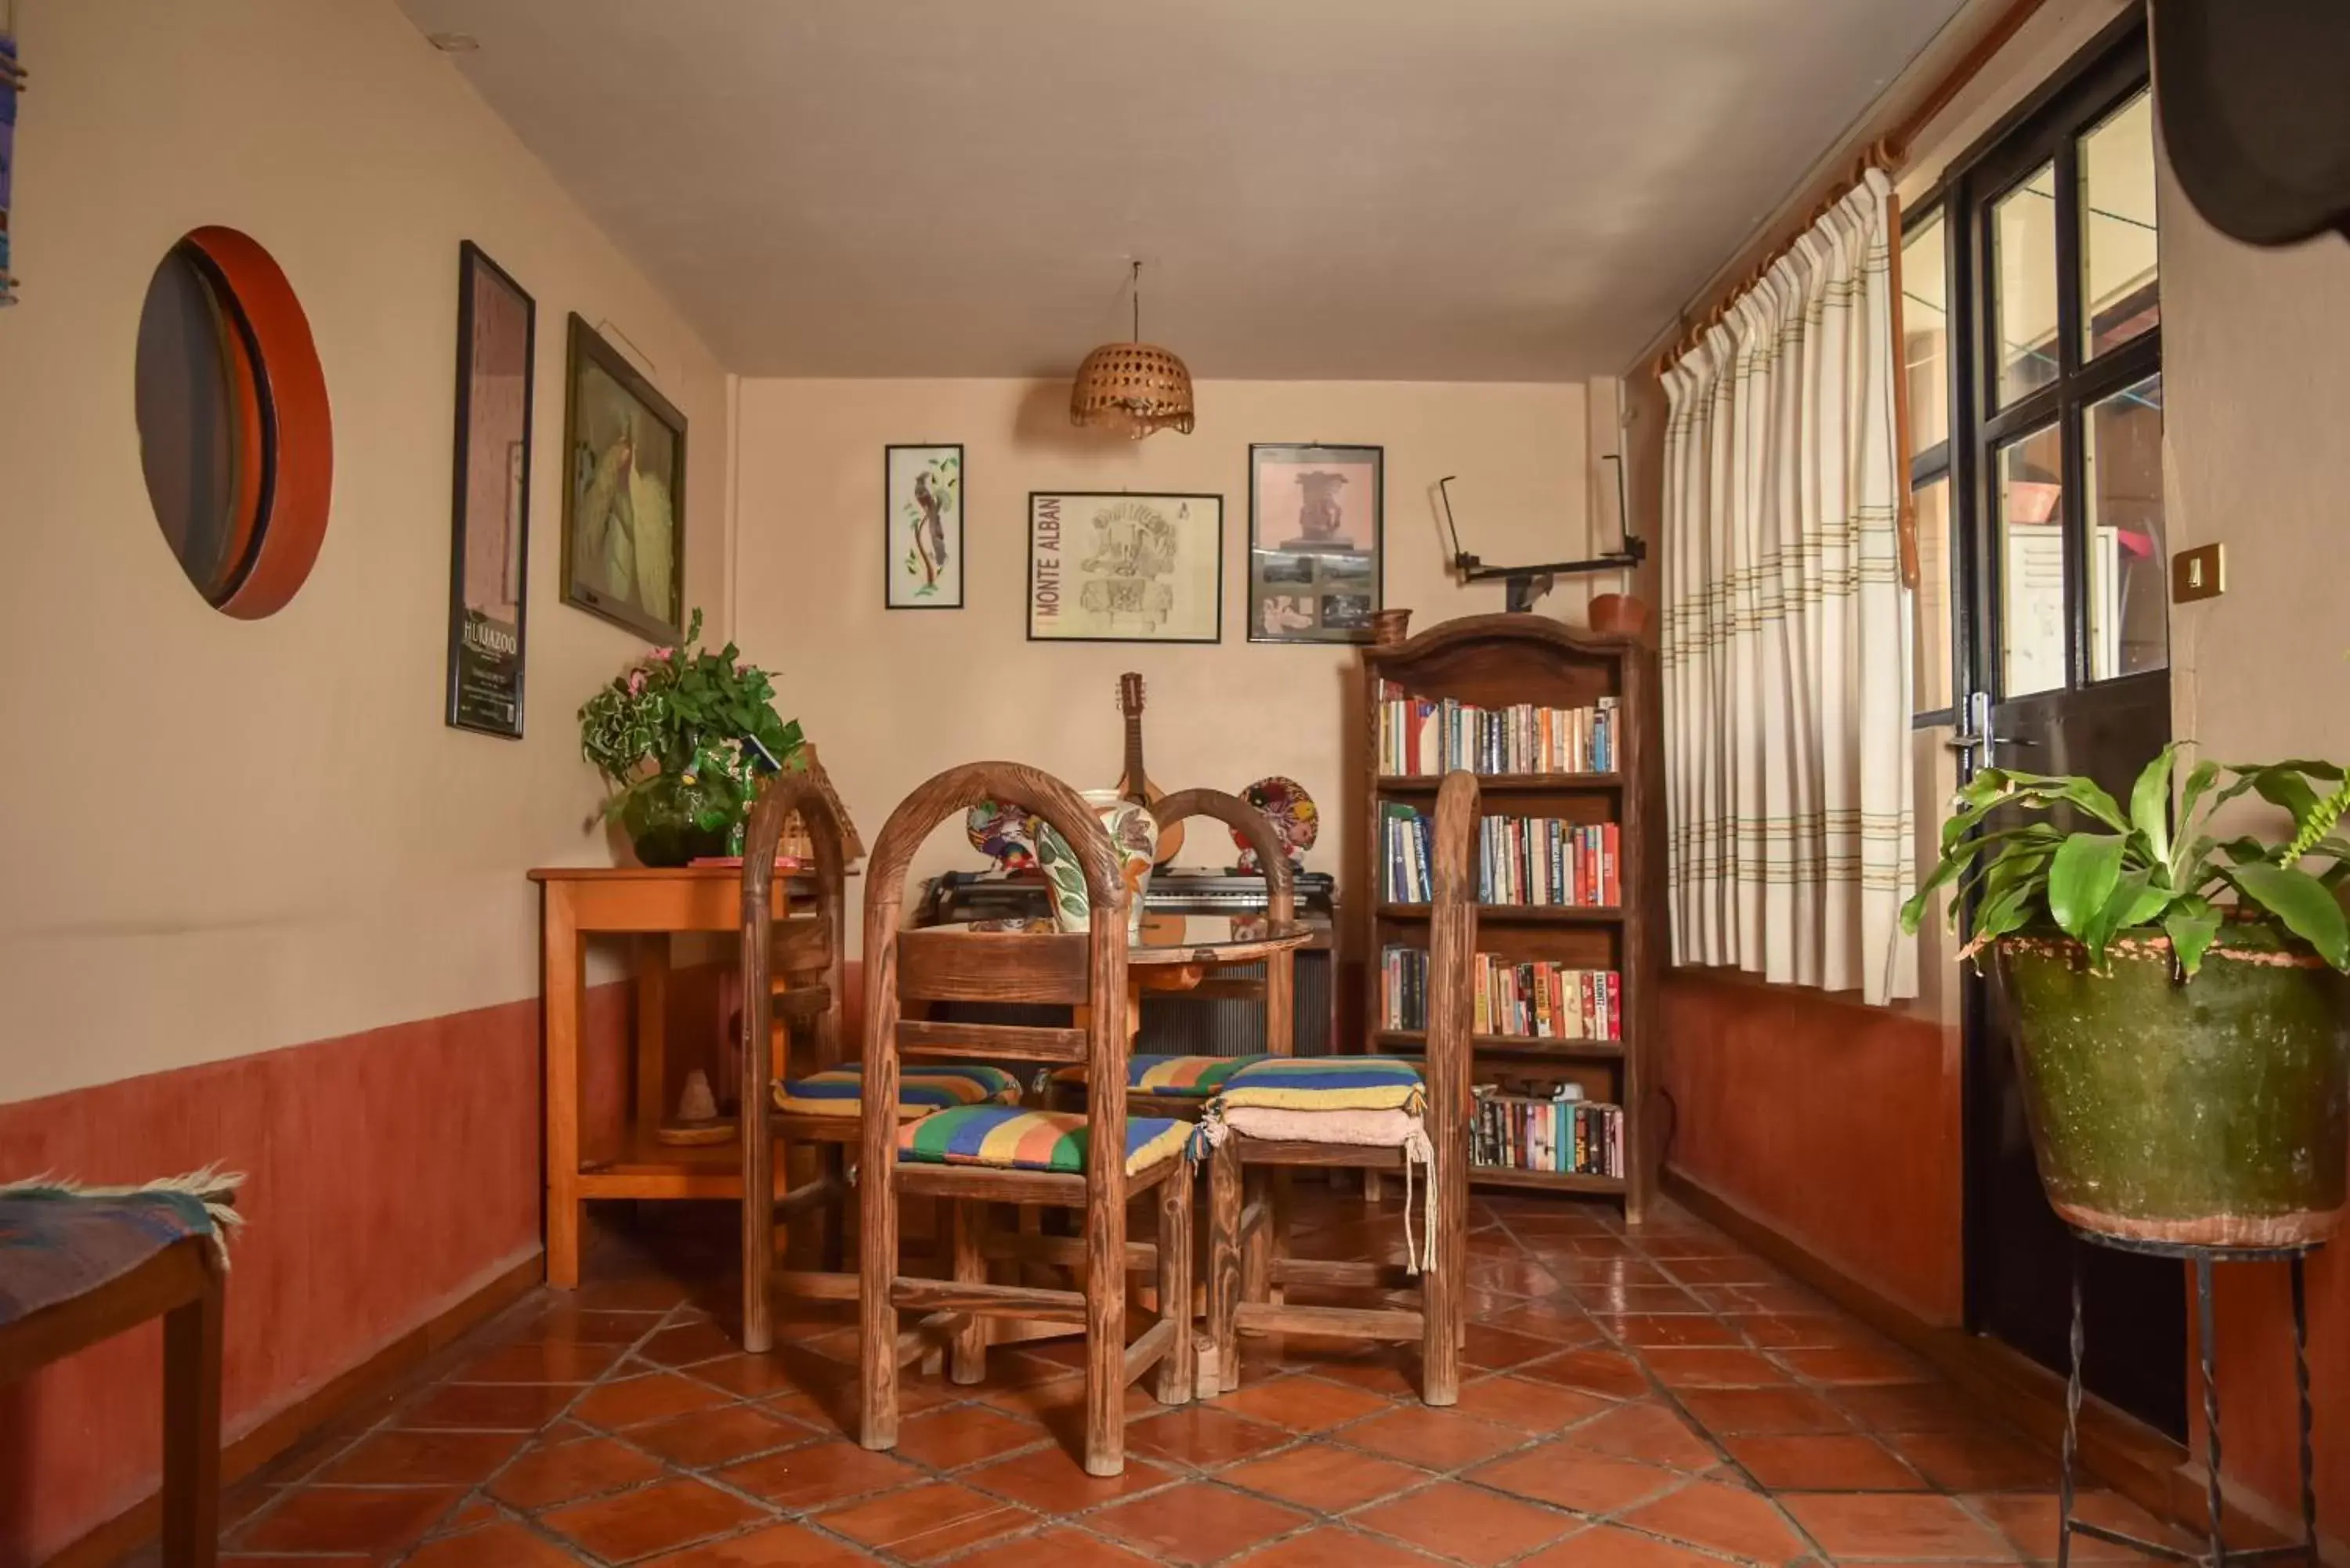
(637,684)
(662,654)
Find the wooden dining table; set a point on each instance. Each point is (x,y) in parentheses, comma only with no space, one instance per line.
(1178,953)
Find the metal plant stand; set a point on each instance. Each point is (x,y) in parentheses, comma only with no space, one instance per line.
(2217,1554)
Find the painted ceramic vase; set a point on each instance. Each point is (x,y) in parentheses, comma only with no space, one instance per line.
(1135,834)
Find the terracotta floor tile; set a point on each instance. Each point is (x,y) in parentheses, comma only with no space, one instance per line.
(1610,1546)
(1830,1461)
(1660,1297)
(1720,1518)
(1642,1430)
(781,1546)
(637,1294)
(1567,1477)
(1050,1481)
(1491,1349)
(1797,1330)
(688,1342)
(1892,1524)
(374,1521)
(926,1521)
(1645,1330)
(1856,1363)
(1055,1548)
(1610,1373)
(2027,1523)
(1979,1458)
(1196,1523)
(1331,1547)
(547,1475)
(1203,1437)
(1712,1367)
(641,1401)
(788,1371)
(550,1361)
(1739,1412)
(497,1546)
(1611,1273)
(1390,1372)
(1733,1269)
(1435,1439)
(1304,1404)
(1529,1406)
(703,1439)
(1909,1407)
(1512,1276)
(1324,1477)
(658,1518)
(489,1407)
(422,1459)
(566,1320)
(1466,1526)
(819,1474)
(964,1434)
(1562,1323)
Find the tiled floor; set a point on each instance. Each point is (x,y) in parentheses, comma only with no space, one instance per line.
(1636,1401)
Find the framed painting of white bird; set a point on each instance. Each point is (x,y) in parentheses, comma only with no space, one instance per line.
(623,492)
(921,526)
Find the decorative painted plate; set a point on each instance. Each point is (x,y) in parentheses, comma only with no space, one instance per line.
(1297,821)
(1003,833)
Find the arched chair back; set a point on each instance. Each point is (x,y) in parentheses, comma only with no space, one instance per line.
(1281,896)
(808,953)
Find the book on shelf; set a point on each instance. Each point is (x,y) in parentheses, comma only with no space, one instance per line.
(1531,862)
(1561,1133)
(1534,1000)
(1421,736)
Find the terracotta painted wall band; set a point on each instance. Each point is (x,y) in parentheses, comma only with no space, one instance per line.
(293,389)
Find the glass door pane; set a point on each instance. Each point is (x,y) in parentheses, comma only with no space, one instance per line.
(2024,291)
(2129,619)
(2029,502)
(1931,652)
(2120,296)
(1926,332)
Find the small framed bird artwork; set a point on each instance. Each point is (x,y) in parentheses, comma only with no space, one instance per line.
(921,526)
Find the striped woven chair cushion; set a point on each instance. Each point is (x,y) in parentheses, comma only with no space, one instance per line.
(1192,1077)
(1327,1084)
(1005,1137)
(932,1086)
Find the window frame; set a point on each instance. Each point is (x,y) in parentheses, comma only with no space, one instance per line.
(1935,462)
(2046,129)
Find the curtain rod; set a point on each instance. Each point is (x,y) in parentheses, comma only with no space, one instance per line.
(1889,153)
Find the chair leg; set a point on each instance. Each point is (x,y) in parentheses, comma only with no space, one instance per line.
(1105,1287)
(967,1223)
(1179,1370)
(1439,1342)
(825,1223)
(877,1315)
(1224,1262)
(1277,1210)
(191,1424)
(1257,1241)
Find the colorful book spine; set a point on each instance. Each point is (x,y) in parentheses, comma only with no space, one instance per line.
(1421,736)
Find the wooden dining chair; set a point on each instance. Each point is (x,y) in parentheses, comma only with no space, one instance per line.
(1239,1206)
(1180,1084)
(973,1157)
(801,1090)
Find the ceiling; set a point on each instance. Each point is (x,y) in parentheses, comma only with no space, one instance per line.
(1484,190)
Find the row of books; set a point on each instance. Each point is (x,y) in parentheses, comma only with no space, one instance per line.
(1541,862)
(1530,1001)
(1426,735)
(1560,1133)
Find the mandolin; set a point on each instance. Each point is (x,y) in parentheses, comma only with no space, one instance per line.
(1134,783)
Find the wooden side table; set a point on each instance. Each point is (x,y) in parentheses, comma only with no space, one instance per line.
(652,904)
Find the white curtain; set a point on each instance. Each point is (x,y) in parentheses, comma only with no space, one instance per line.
(1786,625)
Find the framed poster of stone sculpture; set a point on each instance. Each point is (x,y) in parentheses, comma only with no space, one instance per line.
(1119,567)
(1315,529)
(623,492)
(489,558)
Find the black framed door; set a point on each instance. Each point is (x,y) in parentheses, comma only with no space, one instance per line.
(2063,643)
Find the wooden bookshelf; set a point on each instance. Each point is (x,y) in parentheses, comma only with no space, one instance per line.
(1496,661)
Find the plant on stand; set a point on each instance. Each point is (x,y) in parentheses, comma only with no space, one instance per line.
(2180,1010)
(682,735)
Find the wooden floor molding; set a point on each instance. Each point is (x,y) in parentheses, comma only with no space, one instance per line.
(2120,1450)
(378,1375)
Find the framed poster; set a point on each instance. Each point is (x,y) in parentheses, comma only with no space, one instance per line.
(1124,568)
(922,527)
(623,492)
(1316,515)
(489,552)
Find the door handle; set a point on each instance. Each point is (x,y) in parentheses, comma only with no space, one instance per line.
(1973,741)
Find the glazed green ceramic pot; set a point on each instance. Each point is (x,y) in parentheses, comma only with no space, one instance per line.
(2214,1111)
(671,822)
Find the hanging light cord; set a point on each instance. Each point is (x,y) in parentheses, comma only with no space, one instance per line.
(1138,302)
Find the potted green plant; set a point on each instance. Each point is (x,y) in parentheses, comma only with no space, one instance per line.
(682,735)
(2178,1002)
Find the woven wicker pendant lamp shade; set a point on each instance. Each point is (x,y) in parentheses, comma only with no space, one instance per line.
(1137,388)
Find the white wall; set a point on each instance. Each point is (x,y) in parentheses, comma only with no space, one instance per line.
(223,837)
